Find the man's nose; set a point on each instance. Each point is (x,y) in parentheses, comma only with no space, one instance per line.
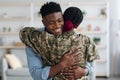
(57,25)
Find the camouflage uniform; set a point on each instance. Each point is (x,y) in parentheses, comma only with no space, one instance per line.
(52,47)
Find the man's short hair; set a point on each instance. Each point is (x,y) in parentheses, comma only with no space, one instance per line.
(50,7)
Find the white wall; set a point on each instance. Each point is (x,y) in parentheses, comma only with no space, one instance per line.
(114,9)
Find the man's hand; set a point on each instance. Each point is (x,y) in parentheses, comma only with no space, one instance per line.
(70,59)
(69,74)
(75,72)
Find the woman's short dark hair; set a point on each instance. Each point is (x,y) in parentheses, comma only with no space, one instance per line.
(72,18)
(73,14)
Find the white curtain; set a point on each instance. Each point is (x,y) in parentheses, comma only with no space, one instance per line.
(115,46)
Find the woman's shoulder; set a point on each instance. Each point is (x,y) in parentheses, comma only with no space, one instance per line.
(84,38)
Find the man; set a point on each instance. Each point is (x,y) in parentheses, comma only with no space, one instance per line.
(53,21)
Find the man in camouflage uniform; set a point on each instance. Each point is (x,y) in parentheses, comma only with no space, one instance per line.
(52,48)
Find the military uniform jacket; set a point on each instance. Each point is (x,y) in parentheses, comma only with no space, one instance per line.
(52,48)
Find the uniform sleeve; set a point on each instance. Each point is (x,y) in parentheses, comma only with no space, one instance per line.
(91,51)
(35,65)
(26,34)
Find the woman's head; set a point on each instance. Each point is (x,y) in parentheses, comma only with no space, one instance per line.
(72,17)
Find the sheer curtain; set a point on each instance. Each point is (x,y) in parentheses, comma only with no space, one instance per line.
(115,46)
(114,37)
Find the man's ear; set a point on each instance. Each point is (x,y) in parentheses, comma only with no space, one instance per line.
(43,22)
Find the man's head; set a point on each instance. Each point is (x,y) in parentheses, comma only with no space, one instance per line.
(52,17)
(73,17)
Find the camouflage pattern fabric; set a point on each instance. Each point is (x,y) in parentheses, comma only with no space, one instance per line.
(52,48)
